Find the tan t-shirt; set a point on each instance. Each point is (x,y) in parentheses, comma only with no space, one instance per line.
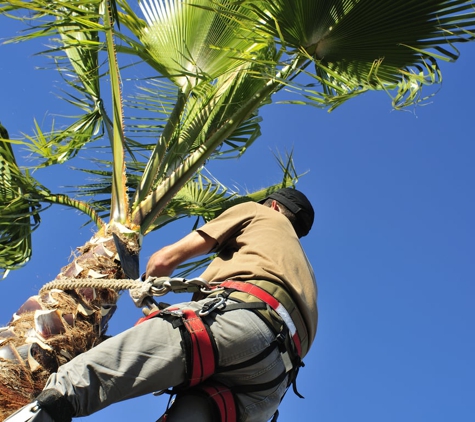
(256,242)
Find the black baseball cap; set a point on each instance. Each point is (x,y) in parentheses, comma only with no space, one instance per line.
(298,204)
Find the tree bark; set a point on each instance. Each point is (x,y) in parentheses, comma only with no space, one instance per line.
(51,328)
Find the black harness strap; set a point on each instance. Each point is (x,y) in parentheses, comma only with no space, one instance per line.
(260,387)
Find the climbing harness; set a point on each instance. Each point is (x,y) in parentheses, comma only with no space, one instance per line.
(272,304)
(268,300)
(279,300)
(199,344)
(223,398)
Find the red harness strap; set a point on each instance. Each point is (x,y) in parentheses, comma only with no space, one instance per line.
(261,294)
(149,316)
(202,361)
(223,397)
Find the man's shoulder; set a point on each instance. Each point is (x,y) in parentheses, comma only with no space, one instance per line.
(248,206)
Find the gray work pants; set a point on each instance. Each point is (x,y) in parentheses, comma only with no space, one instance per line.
(149,358)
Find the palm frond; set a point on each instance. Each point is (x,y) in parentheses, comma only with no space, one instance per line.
(148,110)
(75,52)
(200,197)
(205,197)
(191,42)
(210,107)
(19,213)
(358,45)
(60,145)
(77,25)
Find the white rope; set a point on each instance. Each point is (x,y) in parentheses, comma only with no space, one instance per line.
(139,290)
(80,283)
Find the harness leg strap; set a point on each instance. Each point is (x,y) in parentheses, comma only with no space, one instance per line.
(200,348)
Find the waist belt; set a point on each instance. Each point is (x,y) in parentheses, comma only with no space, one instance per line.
(279,300)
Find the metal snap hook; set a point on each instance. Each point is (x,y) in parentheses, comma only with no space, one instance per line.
(212,306)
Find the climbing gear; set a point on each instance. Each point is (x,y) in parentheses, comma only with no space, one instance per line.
(256,295)
(213,305)
(268,300)
(52,402)
(279,300)
(141,287)
(291,337)
(200,347)
(202,356)
(223,398)
(159,286)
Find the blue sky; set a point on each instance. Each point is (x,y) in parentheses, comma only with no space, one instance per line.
(392,245)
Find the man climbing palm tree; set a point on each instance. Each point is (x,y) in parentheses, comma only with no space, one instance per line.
(231,354)
(211,65)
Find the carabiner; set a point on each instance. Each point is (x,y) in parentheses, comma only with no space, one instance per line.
(212,306)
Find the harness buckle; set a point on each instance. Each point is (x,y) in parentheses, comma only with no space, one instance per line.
(175,312)
(212,305)
(287,361)
(281,337)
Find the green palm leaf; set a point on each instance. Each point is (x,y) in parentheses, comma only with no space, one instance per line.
(19,214)
(22,199)
(192,41)
(357,45)
(211,65)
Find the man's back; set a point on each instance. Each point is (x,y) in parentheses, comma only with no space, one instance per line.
(257,243)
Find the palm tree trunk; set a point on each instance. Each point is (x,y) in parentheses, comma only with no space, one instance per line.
(49,329)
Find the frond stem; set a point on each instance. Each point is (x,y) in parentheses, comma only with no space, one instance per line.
(74,203)
(159,150)
(119,200)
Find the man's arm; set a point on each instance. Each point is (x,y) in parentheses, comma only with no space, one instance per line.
(164,261)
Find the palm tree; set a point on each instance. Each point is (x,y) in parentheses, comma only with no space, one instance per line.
(212,65)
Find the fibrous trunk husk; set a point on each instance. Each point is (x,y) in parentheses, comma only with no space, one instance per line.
(49,329)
